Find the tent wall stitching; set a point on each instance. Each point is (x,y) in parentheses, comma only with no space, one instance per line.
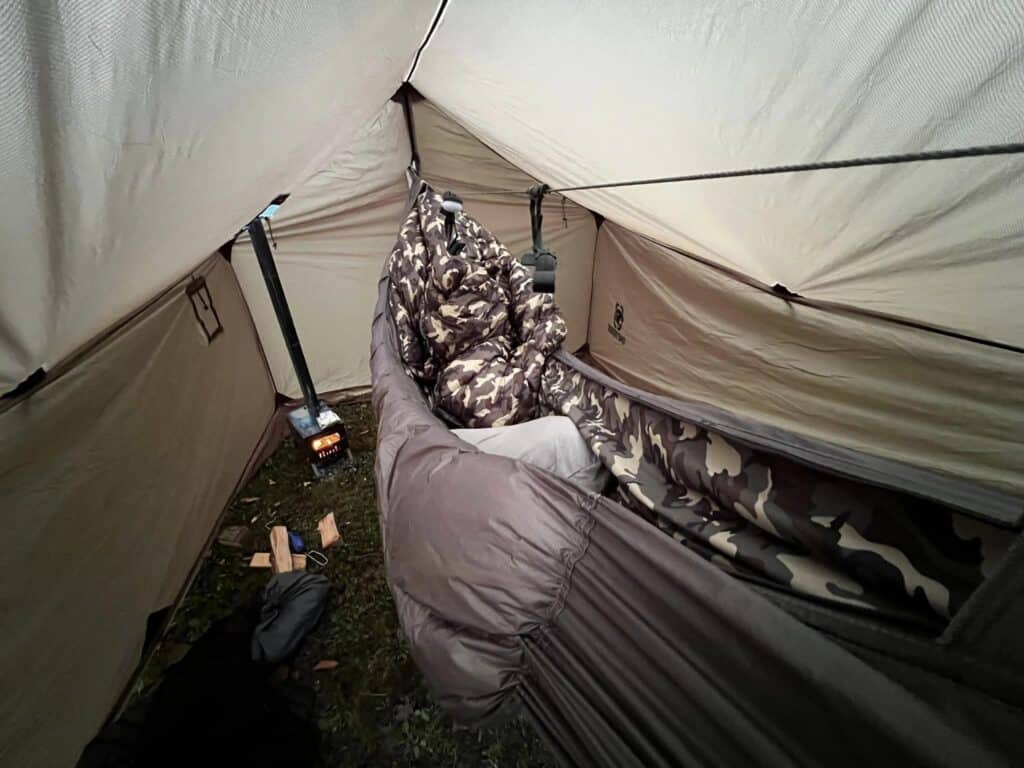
(426,40)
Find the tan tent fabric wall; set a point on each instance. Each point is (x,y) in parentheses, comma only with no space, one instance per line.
(691,332)
(333,234)
(606,91)
(452,158)
(138,137)
(336,229)
(111,477)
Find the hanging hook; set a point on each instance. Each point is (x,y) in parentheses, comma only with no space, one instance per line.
(536,214)
(451,204)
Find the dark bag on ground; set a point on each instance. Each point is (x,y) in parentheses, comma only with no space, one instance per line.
(215,707)
(292,605)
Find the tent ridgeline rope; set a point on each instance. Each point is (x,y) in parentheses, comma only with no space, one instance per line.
(780,290)
(909,157)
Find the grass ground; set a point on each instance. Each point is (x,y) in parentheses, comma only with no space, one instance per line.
(373,708)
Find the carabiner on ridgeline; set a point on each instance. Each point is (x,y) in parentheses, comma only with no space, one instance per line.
(539,259)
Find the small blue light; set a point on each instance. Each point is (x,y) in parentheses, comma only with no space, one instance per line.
(270,210)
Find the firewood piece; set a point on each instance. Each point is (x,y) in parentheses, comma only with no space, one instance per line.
(260,560)
(298,562)
(282,552)
(328,531)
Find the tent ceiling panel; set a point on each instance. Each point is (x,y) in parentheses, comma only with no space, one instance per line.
(615,91)
(139,137)
(669,324)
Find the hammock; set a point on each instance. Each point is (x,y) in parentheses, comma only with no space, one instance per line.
(744,596)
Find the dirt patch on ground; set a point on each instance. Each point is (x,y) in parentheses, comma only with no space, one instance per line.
(373,707)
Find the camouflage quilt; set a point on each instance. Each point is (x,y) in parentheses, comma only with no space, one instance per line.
(470,328)
(479,342)
(772,519)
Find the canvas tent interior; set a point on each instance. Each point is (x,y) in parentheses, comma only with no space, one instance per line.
(139,139)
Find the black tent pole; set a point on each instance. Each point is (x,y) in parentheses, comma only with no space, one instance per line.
(284,316)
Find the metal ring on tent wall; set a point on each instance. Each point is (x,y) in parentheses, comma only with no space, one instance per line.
(317,557)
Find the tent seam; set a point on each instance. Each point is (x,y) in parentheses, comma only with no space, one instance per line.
(426,40)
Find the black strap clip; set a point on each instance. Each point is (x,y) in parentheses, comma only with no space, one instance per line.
(540,258)
(536,214)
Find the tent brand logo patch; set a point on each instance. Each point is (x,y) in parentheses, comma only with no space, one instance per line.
(615,326)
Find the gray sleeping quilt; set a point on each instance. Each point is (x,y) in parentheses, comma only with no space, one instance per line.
(731,606)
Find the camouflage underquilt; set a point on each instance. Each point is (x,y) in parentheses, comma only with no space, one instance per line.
(470,329)
(774,520)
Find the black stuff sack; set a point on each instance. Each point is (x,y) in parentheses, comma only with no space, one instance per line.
(292,604)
